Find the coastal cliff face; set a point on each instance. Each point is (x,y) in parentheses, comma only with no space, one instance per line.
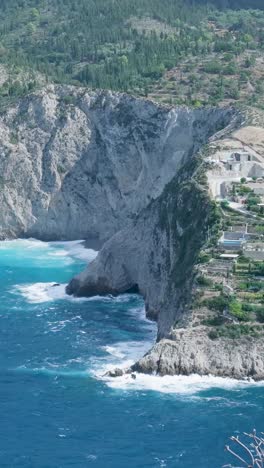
(127,174)
(155,255)
(80,164)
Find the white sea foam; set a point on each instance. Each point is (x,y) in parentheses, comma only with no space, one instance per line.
(184,385)
(114,351)
(120,354)
(64,251)
(41,292)
(58,253)
(37,293)
(123,355)
(23,244)
(75,249)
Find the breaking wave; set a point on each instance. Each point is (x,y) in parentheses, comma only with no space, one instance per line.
(75,249)
(181,385)
(39,250)
(123,355)
(118,354)
(37,293)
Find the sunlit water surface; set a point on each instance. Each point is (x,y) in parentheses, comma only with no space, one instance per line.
(57,409)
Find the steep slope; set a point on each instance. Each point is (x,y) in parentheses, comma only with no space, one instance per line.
(155,255)
(127,46)
(109,167)
(80,164)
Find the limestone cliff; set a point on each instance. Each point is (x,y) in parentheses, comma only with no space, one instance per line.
(156,253)
(126,173)
(82,164)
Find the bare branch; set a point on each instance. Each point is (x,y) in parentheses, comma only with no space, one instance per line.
(254,450)
(228,449)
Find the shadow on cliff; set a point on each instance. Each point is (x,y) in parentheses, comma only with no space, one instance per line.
(157,252)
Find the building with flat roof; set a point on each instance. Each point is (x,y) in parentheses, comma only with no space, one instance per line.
(232,240)
(229,256)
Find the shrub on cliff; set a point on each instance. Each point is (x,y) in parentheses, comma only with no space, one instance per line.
(236,331)
(204,281)
(218,303)
(235,309)
(213,335)
(260,315)
(204,257)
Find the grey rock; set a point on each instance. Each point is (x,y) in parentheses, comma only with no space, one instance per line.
(78,164)
(115,373)
(121,173)
(156,253)
(239,359)
(153,256)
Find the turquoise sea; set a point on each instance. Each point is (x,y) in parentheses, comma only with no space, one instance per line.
(57,409)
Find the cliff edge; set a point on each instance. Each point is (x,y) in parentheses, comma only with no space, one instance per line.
(157,255)
(82,164)
(130,176)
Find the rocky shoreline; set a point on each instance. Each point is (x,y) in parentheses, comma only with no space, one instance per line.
(192,352)
(127,175)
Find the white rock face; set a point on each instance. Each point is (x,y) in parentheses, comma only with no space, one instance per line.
(120,171)
(82,164)
(156,252)
(154,255)
(190,351)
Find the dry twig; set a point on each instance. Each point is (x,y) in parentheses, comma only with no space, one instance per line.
(251,454)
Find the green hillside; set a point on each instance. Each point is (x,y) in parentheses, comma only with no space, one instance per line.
(133,45)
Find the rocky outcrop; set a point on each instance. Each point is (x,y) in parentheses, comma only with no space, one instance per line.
(191,351)
(156,253)
(82,164)
(125,173)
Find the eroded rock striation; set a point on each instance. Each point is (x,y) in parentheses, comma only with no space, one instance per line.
(124,173)
(82,164)
(155,255)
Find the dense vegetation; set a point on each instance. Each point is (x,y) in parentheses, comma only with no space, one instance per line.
(129,45)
